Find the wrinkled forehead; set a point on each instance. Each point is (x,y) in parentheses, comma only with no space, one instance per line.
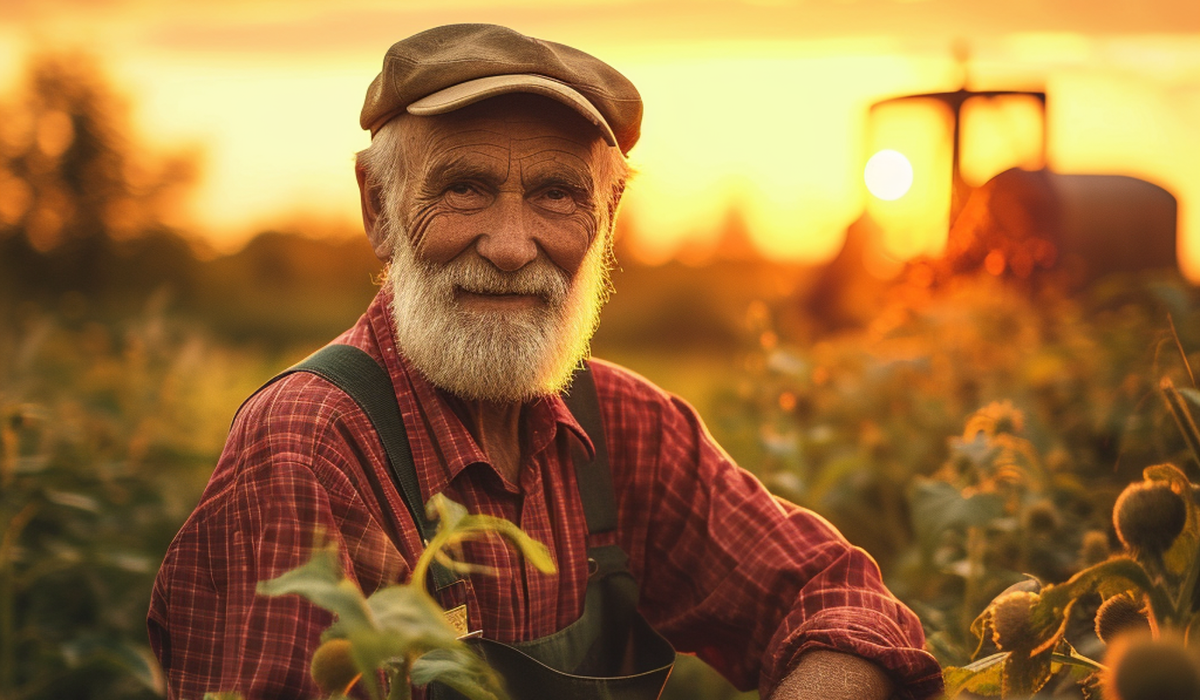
(522,125)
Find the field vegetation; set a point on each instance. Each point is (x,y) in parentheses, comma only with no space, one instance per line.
(974,435)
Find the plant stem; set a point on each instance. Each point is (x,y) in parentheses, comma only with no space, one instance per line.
(421,569)
(398,684)
(1183,417)
(975,547)
(1077,660)
(1179,346)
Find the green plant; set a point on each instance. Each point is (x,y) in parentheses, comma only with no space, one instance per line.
(1031,641)
(1151,596)
(1149,593)
(400,629)
(1052,404)
(101,442)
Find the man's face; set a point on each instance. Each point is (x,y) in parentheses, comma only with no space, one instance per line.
(498,267)
(506,182)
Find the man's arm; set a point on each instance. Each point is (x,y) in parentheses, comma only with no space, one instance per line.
(747,582)
(286,480)
(829,675)
(211,630)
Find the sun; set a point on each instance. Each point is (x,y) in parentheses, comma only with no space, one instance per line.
(888,175)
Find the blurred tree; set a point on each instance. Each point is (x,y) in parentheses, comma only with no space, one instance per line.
(84,507)
(82,209)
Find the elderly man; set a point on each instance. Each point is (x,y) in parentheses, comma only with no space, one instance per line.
(495,170)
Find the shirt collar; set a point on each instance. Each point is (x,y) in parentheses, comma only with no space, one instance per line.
(442,446)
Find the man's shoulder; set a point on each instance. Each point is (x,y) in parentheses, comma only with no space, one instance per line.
(296,411)
(637,408)
(628,399)
(297,429)
(300,400)
(616,382)
(293,400)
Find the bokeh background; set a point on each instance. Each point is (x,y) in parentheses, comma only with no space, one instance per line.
(178,221)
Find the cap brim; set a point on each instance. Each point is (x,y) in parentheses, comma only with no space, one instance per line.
(472,91)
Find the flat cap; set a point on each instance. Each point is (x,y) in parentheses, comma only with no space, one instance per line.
(449,67)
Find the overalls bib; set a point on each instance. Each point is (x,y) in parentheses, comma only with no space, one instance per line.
(610,652)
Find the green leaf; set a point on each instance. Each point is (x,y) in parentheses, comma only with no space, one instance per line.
(531,549)
(463,567)
(372,649)
(1023,675)
(1030,666)
(977,449)
(134,659)
(1048,617)
(446,512)
(79,501)
(1074,658)
(461,669)
(411,613)
(1180,559)
(222,696)
(938,506)
(407,622)
(455,525)
(322,582)
(983,677)
(397,626)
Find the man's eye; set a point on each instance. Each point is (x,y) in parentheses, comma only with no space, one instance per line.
(464,195)
(556,199)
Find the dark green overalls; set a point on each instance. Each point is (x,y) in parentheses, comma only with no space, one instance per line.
(610,652)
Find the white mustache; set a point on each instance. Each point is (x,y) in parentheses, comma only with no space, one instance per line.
(477,276)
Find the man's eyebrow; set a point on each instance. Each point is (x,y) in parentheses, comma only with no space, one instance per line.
(452,167)
(554,172)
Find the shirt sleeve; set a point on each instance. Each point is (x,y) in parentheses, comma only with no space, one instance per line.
(267,505)
(744,580)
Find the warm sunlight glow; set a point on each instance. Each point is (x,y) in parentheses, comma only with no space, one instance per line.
(999,133)
(888,175)
(779,158)
(917,223)
(281,138)
(751,116)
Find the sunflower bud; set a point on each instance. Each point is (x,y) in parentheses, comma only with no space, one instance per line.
(333,667)
(1094,548)
(1041,518)
(1118,615)
(1142,668)
(1011,624)
(1148,517)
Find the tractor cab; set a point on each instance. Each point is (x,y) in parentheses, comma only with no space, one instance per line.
(962,179)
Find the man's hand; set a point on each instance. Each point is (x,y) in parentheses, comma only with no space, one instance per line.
(829,675)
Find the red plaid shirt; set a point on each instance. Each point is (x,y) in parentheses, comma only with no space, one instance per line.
(746,581)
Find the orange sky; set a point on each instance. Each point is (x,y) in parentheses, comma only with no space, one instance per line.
(755,105)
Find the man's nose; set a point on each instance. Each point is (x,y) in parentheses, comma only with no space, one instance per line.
(509,242)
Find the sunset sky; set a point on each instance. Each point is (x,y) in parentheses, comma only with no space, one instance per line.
(758,106)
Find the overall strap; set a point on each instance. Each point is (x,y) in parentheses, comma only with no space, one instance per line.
(364,380)
(593,476)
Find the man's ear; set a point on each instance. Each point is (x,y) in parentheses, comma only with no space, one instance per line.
(370,201)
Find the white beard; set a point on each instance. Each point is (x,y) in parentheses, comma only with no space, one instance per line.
(499,356)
